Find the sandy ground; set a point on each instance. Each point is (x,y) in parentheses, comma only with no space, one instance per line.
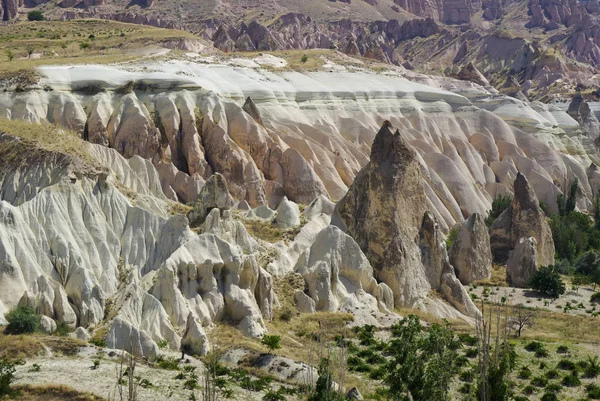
(579,300)
(78,372)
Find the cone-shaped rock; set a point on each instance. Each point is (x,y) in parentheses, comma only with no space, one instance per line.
(523,218)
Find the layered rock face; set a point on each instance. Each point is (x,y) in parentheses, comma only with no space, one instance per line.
(522,219)
(383,210)
(288,144)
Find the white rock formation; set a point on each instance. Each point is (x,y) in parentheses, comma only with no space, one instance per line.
(522,263)
(308,134)
(470,254)
(339,277)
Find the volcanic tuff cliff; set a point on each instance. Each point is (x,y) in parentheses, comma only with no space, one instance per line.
(244,146)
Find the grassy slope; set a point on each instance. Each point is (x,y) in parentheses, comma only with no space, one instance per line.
(59,42)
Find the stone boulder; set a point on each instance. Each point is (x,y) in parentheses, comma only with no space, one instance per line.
(580,110)
(80,333)
(288,214)
(214,194)
(522,263)
(194,339)
(470,253)
(123,335)
(523,218)
(304,303)
(47,324)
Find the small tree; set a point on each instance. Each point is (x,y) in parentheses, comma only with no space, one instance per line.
(499,205)
(84,46)
(325,387)
(547,281)
(9,54)
(7,375)
(271,342)
(30,50)
(21,320)
(35,15)
(304,58)
(521,318)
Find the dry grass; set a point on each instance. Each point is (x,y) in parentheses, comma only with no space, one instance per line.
(267,231)
(49,137)
(59,42)
(498,278)
(20,346)
(51,392)
(301,336)
(27,346)
(179,208)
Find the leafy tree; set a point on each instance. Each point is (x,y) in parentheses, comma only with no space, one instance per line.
(420,366)
(572,199)
(21,320)
(573,234)
(325,388)
(499,205)
(547,281)
(9,54)
(7,375)
(271,342)
(30,50)
(587,264)
(35,15)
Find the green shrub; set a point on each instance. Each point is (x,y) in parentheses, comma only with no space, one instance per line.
(499,205)
(534,346)
(272,395)
(595,298)
(565,364)
(549,397)
(163,343)
(552,374)
(286,314)
(35,15)
(593,391)
(304,58)
(553,388)
(571,380)
(547,281)
(471,352)
(272,342)
(22,320)
(98,342)
(7,375)
(529,389)
(62,329)
(467,376)
(562,349)
(524,373)
(460,361)
(452,234)
(593,367)
(167,363)
(539,381)
(468,339)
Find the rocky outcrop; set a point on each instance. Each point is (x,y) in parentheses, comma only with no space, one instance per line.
(470,253)
(580,110)
(214,195)
(470,73)
(383,211)
(439,271)
(288,214)
(338,277)
(522,263)
(523,218)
